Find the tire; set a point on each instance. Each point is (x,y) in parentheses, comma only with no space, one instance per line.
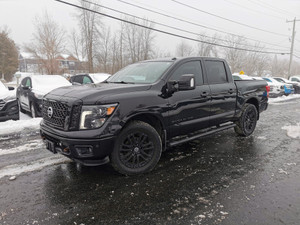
(33,110)
(20,107)
(137,149)
(246,124)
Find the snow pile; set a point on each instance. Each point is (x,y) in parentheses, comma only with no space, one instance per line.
(293,131)
(11,126)
(25,147)
(283,98)
(17,169)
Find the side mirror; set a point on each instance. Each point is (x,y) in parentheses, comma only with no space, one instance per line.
(186,82)
(11,88)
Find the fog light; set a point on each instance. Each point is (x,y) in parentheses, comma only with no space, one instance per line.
(84,151)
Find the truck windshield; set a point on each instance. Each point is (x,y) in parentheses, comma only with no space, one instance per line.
(140,73)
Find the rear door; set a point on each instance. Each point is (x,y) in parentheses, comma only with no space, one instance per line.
(223,91)
(189,110)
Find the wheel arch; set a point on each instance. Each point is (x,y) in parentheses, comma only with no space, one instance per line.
(154,121)
(254,102)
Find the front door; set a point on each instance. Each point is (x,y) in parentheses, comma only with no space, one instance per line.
(189,110)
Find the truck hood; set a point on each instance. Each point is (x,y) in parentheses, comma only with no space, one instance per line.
(93,93)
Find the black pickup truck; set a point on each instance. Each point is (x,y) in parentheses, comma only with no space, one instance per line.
(147,107)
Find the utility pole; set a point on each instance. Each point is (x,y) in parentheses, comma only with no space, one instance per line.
(292,45)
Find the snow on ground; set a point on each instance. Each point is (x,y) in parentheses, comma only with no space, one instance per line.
(17,169)
(11,126)
(293,131)
(283,98)
(26,147)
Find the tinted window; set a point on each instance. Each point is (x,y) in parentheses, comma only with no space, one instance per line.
(216,72)
(28,83)
(24,81)
(86,80)
(78,79)
(193,67)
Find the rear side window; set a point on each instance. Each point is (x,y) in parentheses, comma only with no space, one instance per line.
(193,67)
(295,79)
(216,72)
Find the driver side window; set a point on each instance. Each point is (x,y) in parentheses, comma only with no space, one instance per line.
(193,67)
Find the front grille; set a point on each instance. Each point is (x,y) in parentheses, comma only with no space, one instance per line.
(2,104)
(60,116)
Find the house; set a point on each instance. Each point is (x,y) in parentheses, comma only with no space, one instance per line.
(67,64)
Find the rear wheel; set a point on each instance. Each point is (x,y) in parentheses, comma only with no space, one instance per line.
(247,122)
(137,149)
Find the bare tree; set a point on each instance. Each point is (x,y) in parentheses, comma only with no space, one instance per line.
(76,45)
(205,49)
(48,42)
(90,29)
(183,49)
(138,40)
(8,55)
(235,58)
(104,54)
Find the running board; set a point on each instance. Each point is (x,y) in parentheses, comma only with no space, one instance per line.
(212,131)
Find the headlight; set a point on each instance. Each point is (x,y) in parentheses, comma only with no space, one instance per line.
(93,117)
(38,95)
(10,98)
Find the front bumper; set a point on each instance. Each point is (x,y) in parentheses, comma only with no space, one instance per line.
(88,151)
(10,111)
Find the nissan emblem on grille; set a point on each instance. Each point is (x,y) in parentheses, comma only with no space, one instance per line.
(50,112)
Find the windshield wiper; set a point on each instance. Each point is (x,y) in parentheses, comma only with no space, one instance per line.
(122,82)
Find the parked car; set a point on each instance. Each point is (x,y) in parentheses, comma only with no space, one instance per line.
(146,107)
(276,88)
(32,89)
(295,78)
(89,78)
(295,85)
(241,77)
(288,88)
(9,109)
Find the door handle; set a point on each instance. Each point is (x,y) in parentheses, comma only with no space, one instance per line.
(230,91)
(204,94)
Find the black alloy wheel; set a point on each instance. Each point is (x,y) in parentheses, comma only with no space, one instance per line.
(137,149)
(246,124)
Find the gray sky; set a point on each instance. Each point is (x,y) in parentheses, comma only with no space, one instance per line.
(271,15)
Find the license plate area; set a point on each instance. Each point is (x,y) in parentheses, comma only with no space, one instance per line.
(50,145)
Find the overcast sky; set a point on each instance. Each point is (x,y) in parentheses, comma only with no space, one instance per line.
(269,15)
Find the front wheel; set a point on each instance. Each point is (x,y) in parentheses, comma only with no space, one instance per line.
(247,121)
(137,149)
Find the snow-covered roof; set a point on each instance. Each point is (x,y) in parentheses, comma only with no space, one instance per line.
(27,55)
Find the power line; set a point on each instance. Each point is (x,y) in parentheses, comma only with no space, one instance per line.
(253,10)
(232,21)
(271,7)
(165,32)
(195,24)
(172,27)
